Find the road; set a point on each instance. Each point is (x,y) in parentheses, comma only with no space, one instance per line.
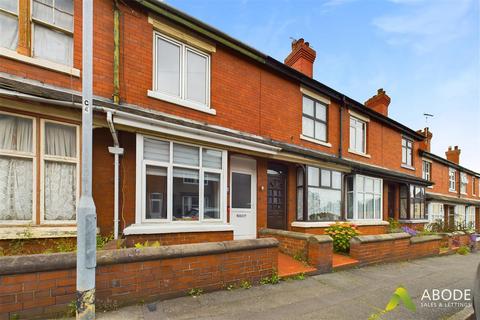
(351,294)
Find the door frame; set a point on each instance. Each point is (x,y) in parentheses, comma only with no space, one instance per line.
(246,165)
(285,175)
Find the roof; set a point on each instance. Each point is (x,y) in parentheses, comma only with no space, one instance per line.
(446,162)
(442,198)
(180,17)
(72,98)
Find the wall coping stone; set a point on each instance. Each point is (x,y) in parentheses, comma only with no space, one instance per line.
(297,235)
(10,265)
(380,237)
(427,238)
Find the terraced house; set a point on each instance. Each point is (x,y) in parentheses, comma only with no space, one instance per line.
(199,137)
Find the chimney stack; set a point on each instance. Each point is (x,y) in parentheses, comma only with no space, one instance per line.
(425,144)
(379,102)
(302,57)
(453,155)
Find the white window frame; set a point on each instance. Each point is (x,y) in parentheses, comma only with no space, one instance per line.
(181,99)
(433,214)
(36,21)
(359,124)
(406,148)
(140,214)
(470,216)
(426,174)
(463,183)
(25,155)
(44,157)
(355,197)
(452,180)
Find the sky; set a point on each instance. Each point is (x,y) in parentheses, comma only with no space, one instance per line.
(424,53)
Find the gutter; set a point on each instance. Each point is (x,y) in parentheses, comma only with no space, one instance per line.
(116,151)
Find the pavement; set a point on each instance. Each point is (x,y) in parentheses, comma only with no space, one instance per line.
(350,294)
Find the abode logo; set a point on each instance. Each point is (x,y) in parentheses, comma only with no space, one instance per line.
(446,298)
(400,295)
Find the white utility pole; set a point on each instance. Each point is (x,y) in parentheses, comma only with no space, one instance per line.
(86,213)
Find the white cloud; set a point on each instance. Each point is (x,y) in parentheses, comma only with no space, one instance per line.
(424,26)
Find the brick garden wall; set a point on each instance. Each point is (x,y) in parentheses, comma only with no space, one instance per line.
(316,250)
(364,230)
(168,239)
(44,285)
(393,247)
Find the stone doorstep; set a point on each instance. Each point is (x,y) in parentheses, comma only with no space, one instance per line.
(342,262)
(289,267)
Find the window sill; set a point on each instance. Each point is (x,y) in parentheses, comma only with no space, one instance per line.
(366,155)
(369,222)
(161,228)
(414,221)
(180,102)
(325,144)
(312,224)
(37,232)
(42,63)
(452,191)
(406,166)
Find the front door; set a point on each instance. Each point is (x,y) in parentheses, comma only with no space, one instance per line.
(276,196)
(243,195)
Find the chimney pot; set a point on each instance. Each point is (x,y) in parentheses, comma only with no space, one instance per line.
(302,57)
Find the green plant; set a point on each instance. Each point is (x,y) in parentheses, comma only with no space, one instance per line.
(300,256)
(341,234)
(14,316)
(72,308)
(300,276)
(103,240)
(393,225)
(16,247)
(231,286)
(195,292)
(273,279)
(245,284)
(147,244)
(463,250)
(64,245)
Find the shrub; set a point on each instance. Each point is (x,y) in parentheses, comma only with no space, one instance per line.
(341,234)
(410,231)
(463,250)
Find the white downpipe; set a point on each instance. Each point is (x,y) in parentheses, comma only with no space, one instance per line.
(116,151)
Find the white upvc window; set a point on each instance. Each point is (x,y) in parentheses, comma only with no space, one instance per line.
(463,183)
(470,217)
(17,169)
(180,182)
(459,212)
(59,170)
(60,190)
(181,73)
(435,212)
(52,33)
(364,198)
(452,179)
(358,135)
(427,170)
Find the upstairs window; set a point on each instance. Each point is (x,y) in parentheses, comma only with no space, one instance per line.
(181,72)
(358,135)
(452,179)
(314,120)
(463,183)
(407,152)
(427,170)
(9,24)
(51,29)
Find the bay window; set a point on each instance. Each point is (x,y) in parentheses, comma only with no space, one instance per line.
(323,187)
(59,168)
(364,198)
(412,202)
(181,182)
(470,217)
(435,212)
